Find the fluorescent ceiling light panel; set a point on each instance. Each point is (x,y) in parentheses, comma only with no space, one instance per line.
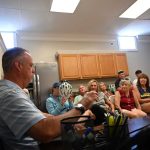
(64,6)
(135,10)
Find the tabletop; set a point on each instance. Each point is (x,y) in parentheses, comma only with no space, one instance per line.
(137,124)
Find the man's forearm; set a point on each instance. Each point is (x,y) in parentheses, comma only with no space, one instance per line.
(53,123)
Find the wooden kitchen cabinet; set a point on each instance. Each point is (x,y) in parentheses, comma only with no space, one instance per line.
(84,66)
(121,62)
(69,66)
(107,65)
(89,66)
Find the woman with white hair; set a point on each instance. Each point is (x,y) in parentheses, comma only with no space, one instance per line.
(126,100)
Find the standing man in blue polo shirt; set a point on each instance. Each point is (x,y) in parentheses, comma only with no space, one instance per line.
(22,125)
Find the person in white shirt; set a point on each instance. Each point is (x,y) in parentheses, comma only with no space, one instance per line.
(137,73)
(82,91)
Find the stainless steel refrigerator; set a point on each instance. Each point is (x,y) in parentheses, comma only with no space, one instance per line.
(45,75)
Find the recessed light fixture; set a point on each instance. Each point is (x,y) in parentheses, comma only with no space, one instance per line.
(135,10)
(127,43)
(64,6)
(9,39)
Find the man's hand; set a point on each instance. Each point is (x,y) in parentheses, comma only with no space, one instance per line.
(89,113)
(88,99)
(81,126)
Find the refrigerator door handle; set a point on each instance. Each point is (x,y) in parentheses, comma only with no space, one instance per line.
(38,90)
(34,89)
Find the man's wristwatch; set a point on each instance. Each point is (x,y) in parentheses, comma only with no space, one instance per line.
(80,107)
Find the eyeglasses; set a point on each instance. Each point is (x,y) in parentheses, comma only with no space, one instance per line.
(126,79)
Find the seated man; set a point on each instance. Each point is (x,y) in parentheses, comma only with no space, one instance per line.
(121,75)
(137,73)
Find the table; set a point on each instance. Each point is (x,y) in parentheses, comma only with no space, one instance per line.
(137,124)
(134,126)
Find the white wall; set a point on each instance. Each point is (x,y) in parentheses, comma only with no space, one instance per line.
(139,59)
(2,49)
(45,50)
(1,52)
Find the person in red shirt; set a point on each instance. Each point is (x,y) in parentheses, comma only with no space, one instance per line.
(126,100)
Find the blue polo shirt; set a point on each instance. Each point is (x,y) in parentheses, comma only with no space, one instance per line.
(17,115)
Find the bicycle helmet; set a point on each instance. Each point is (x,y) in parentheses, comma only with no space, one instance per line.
(65,89)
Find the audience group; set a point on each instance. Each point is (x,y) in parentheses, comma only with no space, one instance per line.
(130,98)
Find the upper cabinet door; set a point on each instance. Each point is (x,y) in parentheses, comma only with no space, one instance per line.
(107,65)
(121,62)
(84,66)
(69,66)
(89,66)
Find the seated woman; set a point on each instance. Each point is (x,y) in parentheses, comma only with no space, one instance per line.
(143,89)
(102,105)
(102,100)
(107,93)
(82,91)
(126,100)
(56,104)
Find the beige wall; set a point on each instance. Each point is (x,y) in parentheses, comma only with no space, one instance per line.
(45,50)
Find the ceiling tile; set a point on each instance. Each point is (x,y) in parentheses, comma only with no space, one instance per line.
(10,19)
(40,5)
(14,4)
